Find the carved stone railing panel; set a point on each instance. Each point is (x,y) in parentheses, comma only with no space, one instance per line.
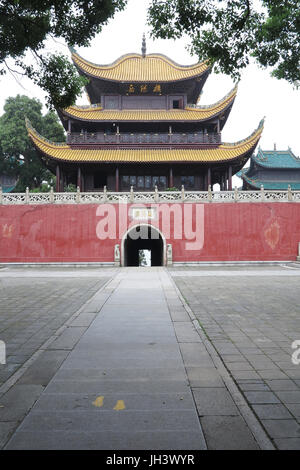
(149,197)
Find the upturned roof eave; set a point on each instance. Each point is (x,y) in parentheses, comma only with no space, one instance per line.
(223,106)
(82,65)
(231,152)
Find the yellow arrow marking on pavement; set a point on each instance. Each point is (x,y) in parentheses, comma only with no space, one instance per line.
(98,402)
(120,405)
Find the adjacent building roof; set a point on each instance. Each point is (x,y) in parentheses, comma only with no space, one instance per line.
(224,152)
(257,183)
(136,68)
(260,171)
(276,159)
(199,113)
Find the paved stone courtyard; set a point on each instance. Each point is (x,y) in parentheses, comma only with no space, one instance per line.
(251,317)
(139,358)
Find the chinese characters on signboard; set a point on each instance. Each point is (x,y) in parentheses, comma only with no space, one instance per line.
(144,88)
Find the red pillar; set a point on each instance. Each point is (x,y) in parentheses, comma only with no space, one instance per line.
(117,179)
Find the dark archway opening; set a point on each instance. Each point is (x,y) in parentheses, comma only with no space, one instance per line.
(143,237)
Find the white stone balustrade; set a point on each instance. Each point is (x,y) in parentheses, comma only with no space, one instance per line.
(106,196)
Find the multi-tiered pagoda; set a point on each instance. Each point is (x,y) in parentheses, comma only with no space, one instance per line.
(143,128)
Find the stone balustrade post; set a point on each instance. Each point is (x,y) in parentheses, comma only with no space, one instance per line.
(182,193)
(51,197)
(104,194)
(236,194)
(209,193)
(78,198)
(131,199)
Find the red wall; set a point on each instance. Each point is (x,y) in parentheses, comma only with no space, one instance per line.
(67,233)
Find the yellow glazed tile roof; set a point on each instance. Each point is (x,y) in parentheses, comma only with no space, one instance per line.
(64,152)
(96,113)
(136,68)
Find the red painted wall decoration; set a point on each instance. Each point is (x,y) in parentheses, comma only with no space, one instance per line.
(197,232)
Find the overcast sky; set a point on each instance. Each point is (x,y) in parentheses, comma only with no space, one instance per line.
(259,94)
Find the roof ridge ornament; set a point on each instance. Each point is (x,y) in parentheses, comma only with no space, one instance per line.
(144,45)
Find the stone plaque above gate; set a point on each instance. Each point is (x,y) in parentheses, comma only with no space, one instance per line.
(143,213)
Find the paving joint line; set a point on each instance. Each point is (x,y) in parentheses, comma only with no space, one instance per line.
(247,413)
(10,382)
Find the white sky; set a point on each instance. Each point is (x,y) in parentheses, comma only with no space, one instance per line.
(258,95)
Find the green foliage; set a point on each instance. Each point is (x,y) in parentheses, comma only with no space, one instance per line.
(18,156)
(70,188)
(142,258)
(26,24)
(228,33)
(43,188)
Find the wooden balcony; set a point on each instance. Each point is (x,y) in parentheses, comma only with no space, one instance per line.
(144,139)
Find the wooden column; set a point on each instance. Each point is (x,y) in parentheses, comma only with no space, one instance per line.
(69,126)
(57,185)
(230,178)
(222,182)
(79,177)
(117,179)
(171,182)
(205,185)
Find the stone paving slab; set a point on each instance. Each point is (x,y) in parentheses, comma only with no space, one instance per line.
(134,401)
(108,440)
(227,433)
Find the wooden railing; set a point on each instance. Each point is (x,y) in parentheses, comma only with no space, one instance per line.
(140,138)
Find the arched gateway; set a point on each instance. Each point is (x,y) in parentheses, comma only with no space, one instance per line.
(143,237)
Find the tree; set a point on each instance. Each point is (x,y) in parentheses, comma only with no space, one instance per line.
(25,25)
(18,156)
(228,33)
(142,258)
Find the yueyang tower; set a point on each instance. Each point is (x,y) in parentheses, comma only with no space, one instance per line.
(143,128)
